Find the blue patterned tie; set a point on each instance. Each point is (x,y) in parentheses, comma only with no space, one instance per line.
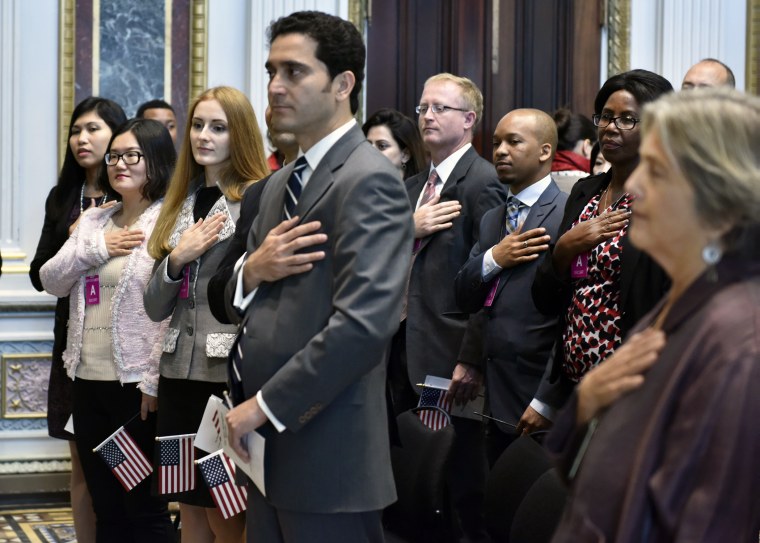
(513,213)
(295,185)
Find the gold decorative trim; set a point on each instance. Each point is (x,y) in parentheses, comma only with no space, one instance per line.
(11,361)
(752,70)
(618,36)
(198,47)
(359,15)
(66,34)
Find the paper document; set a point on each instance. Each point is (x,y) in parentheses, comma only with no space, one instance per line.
(213,435)
(209,436)
(254,468)
(467,410)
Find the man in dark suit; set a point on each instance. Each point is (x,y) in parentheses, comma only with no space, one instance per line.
(450,199)
(319,302)
(495,284)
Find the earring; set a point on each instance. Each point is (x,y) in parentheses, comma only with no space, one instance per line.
(403,165)
(712,253)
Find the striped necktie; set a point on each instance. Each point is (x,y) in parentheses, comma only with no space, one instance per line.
(295,186)
(513,213)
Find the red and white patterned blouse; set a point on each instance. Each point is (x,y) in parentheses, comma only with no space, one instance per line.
(592,323)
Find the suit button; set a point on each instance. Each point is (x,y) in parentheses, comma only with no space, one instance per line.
(189,330)
(302,419)
(192,304)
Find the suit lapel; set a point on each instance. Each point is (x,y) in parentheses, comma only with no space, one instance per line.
(414,187)
(322,178)
(536,216)
(449,190)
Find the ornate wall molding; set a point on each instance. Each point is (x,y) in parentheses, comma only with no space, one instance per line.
(619,36)
(198,47)
(66,35)
(753,46)
(24,385)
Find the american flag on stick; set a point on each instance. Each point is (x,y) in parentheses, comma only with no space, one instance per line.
(434,397)
(218,471)
(432,418)
(176,472)
(125,458)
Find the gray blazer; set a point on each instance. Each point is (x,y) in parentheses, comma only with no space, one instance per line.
(315,344)
(196,345)
(516,338)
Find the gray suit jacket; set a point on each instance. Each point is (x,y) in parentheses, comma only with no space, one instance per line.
(516,338)
(315,344)
(196,345)
(435,326)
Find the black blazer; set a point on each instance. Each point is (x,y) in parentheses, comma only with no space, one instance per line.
(517,338)
(55,232)
(642,283)
(435,327)
(249,208)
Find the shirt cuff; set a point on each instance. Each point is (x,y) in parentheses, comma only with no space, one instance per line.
(168,278)
(543,409)
(241,302)
(265,408)
(490,267)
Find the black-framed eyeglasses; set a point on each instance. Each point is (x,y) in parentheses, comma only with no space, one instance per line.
(130,158)
(437,108)
(624,122)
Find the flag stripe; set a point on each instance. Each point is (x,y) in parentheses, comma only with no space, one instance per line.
(125,459)
(177,467)
(218,471)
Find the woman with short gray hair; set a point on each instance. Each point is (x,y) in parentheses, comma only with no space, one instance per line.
(661,441)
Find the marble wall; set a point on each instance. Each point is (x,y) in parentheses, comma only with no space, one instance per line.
(132,51)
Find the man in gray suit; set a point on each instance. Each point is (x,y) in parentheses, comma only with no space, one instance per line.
(495,284)
(450,199)
(319,301)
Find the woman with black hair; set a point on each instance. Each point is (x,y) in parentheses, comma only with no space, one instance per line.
(595,280)
(111,343)
(90,128)
(398,138)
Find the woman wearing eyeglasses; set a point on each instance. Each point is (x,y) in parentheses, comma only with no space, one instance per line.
(595,279)
(222,156)
(104,267)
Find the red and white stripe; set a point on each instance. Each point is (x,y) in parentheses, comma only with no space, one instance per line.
(136,467)
(229,497)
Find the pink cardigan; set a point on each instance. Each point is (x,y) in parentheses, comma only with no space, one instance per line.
(136,339)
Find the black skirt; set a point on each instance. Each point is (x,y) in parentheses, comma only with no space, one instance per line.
(181,403)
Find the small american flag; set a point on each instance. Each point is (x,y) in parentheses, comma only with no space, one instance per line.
(217,470)
(125,459)
(432,418)
(176,472)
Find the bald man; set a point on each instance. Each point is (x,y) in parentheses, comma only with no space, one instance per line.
(708,72)
(494,285)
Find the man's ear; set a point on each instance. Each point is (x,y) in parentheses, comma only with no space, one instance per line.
(344,83)
(546,152)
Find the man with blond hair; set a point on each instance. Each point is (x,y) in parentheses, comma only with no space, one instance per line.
(449,200)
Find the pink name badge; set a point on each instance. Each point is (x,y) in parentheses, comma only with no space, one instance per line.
(184,290)
(92,290)
(492,293)
(579,266)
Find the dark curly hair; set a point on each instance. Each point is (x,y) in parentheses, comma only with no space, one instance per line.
(339,43)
